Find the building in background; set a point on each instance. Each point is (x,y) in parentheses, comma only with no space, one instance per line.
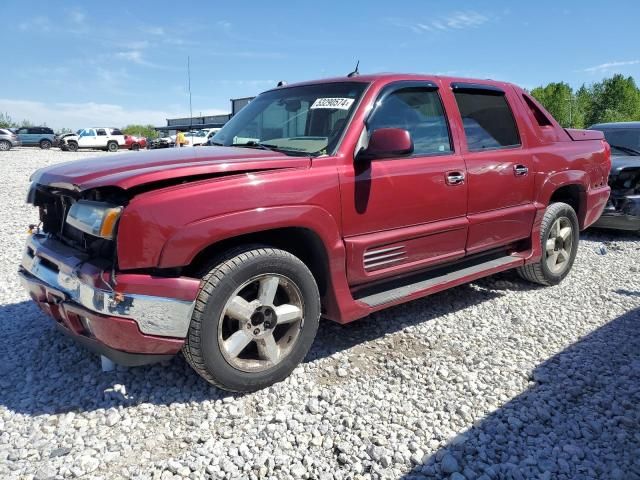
(206,121)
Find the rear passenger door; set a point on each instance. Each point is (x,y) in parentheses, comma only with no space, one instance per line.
(101,138)
(499,169)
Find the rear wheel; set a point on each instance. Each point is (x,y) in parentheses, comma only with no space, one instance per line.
(112,146)
(135,147)
(559,235)
(45,144)
(5,145)
(255,319)
(72,146)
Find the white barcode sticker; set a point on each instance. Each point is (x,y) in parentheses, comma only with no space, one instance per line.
(339,103)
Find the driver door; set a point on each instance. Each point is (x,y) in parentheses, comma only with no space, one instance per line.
(87,138)
(406,213)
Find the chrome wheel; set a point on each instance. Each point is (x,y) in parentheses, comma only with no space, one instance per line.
(261,323)
(4,146)
(559,245)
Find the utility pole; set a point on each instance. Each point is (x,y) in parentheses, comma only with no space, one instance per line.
(190,108)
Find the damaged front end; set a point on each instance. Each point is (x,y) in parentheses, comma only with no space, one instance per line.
(623,208)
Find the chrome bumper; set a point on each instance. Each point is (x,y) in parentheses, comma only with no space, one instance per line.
(162,316)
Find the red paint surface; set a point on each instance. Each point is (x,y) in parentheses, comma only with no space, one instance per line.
(352,207)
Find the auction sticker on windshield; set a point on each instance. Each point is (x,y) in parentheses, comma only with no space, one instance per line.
(339,103)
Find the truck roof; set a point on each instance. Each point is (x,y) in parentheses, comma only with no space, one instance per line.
(391,77)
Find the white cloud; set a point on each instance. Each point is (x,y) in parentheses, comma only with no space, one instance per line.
(151,30)
(39,23)
(77,16)
(454,21)
(136,56)
(80,115)
(605,67)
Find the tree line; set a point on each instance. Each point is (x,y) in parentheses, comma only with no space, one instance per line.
(615,99)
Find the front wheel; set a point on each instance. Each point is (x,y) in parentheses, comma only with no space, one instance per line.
(255,319)
(559,235)
(72,146)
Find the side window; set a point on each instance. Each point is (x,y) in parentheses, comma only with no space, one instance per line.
(418,110)
(32,131)
(23,130)
(101,132)
(115,131)
(487,120)
(541,118)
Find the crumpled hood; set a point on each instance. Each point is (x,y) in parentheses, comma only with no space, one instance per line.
(138,168)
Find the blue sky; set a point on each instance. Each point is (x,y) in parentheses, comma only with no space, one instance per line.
(74,64)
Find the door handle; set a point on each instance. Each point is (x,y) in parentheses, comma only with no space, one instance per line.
(455,178)
(520,170)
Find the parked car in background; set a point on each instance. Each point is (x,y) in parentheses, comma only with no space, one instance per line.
(131,142)
(385,189)
(100,138)
(200,137)
(43,137)
(163,142)
(623,208)
(8,139)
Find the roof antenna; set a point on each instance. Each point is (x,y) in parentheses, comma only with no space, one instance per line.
(356,72)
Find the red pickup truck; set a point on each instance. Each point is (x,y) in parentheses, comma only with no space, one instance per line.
(332,198)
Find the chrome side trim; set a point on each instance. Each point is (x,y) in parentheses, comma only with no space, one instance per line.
(162,316)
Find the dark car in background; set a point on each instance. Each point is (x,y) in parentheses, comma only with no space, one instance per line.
(623,209)
(42,137)
(8,139)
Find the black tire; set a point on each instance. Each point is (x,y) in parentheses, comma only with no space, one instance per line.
(45,144)
(203,349)
(72,146)
(5,145)
(135,147)
(541,272)
(112,146)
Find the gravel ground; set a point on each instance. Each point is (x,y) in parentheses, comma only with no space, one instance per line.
(496,379)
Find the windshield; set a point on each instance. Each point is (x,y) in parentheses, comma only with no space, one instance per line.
(307,120)
(623,141)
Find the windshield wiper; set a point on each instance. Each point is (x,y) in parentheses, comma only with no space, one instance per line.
(217,144)
(629,150)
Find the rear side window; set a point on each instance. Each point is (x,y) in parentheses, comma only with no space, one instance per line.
(541,118)
(115,131)
(47,130)
(419,111)
(487,120)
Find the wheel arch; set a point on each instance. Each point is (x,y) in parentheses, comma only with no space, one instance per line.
(569,187)
(302,242)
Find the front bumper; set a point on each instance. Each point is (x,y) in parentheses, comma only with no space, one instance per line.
(624,215)
(145,319)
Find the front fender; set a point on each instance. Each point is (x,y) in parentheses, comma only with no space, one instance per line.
(181,248)
(184,244)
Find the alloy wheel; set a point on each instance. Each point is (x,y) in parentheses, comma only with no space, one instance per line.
(559,245)
(261,323)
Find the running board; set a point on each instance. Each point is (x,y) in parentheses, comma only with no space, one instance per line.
(435,281)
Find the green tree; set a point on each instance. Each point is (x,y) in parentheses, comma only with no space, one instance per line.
(558,99)
(6,121)
(147,131)
(615,99)
(582,104)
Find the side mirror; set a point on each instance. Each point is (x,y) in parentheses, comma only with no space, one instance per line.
(387,142)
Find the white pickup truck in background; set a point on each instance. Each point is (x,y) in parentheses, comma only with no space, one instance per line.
(110,139)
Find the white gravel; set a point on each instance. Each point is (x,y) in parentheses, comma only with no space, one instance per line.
(497,379)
